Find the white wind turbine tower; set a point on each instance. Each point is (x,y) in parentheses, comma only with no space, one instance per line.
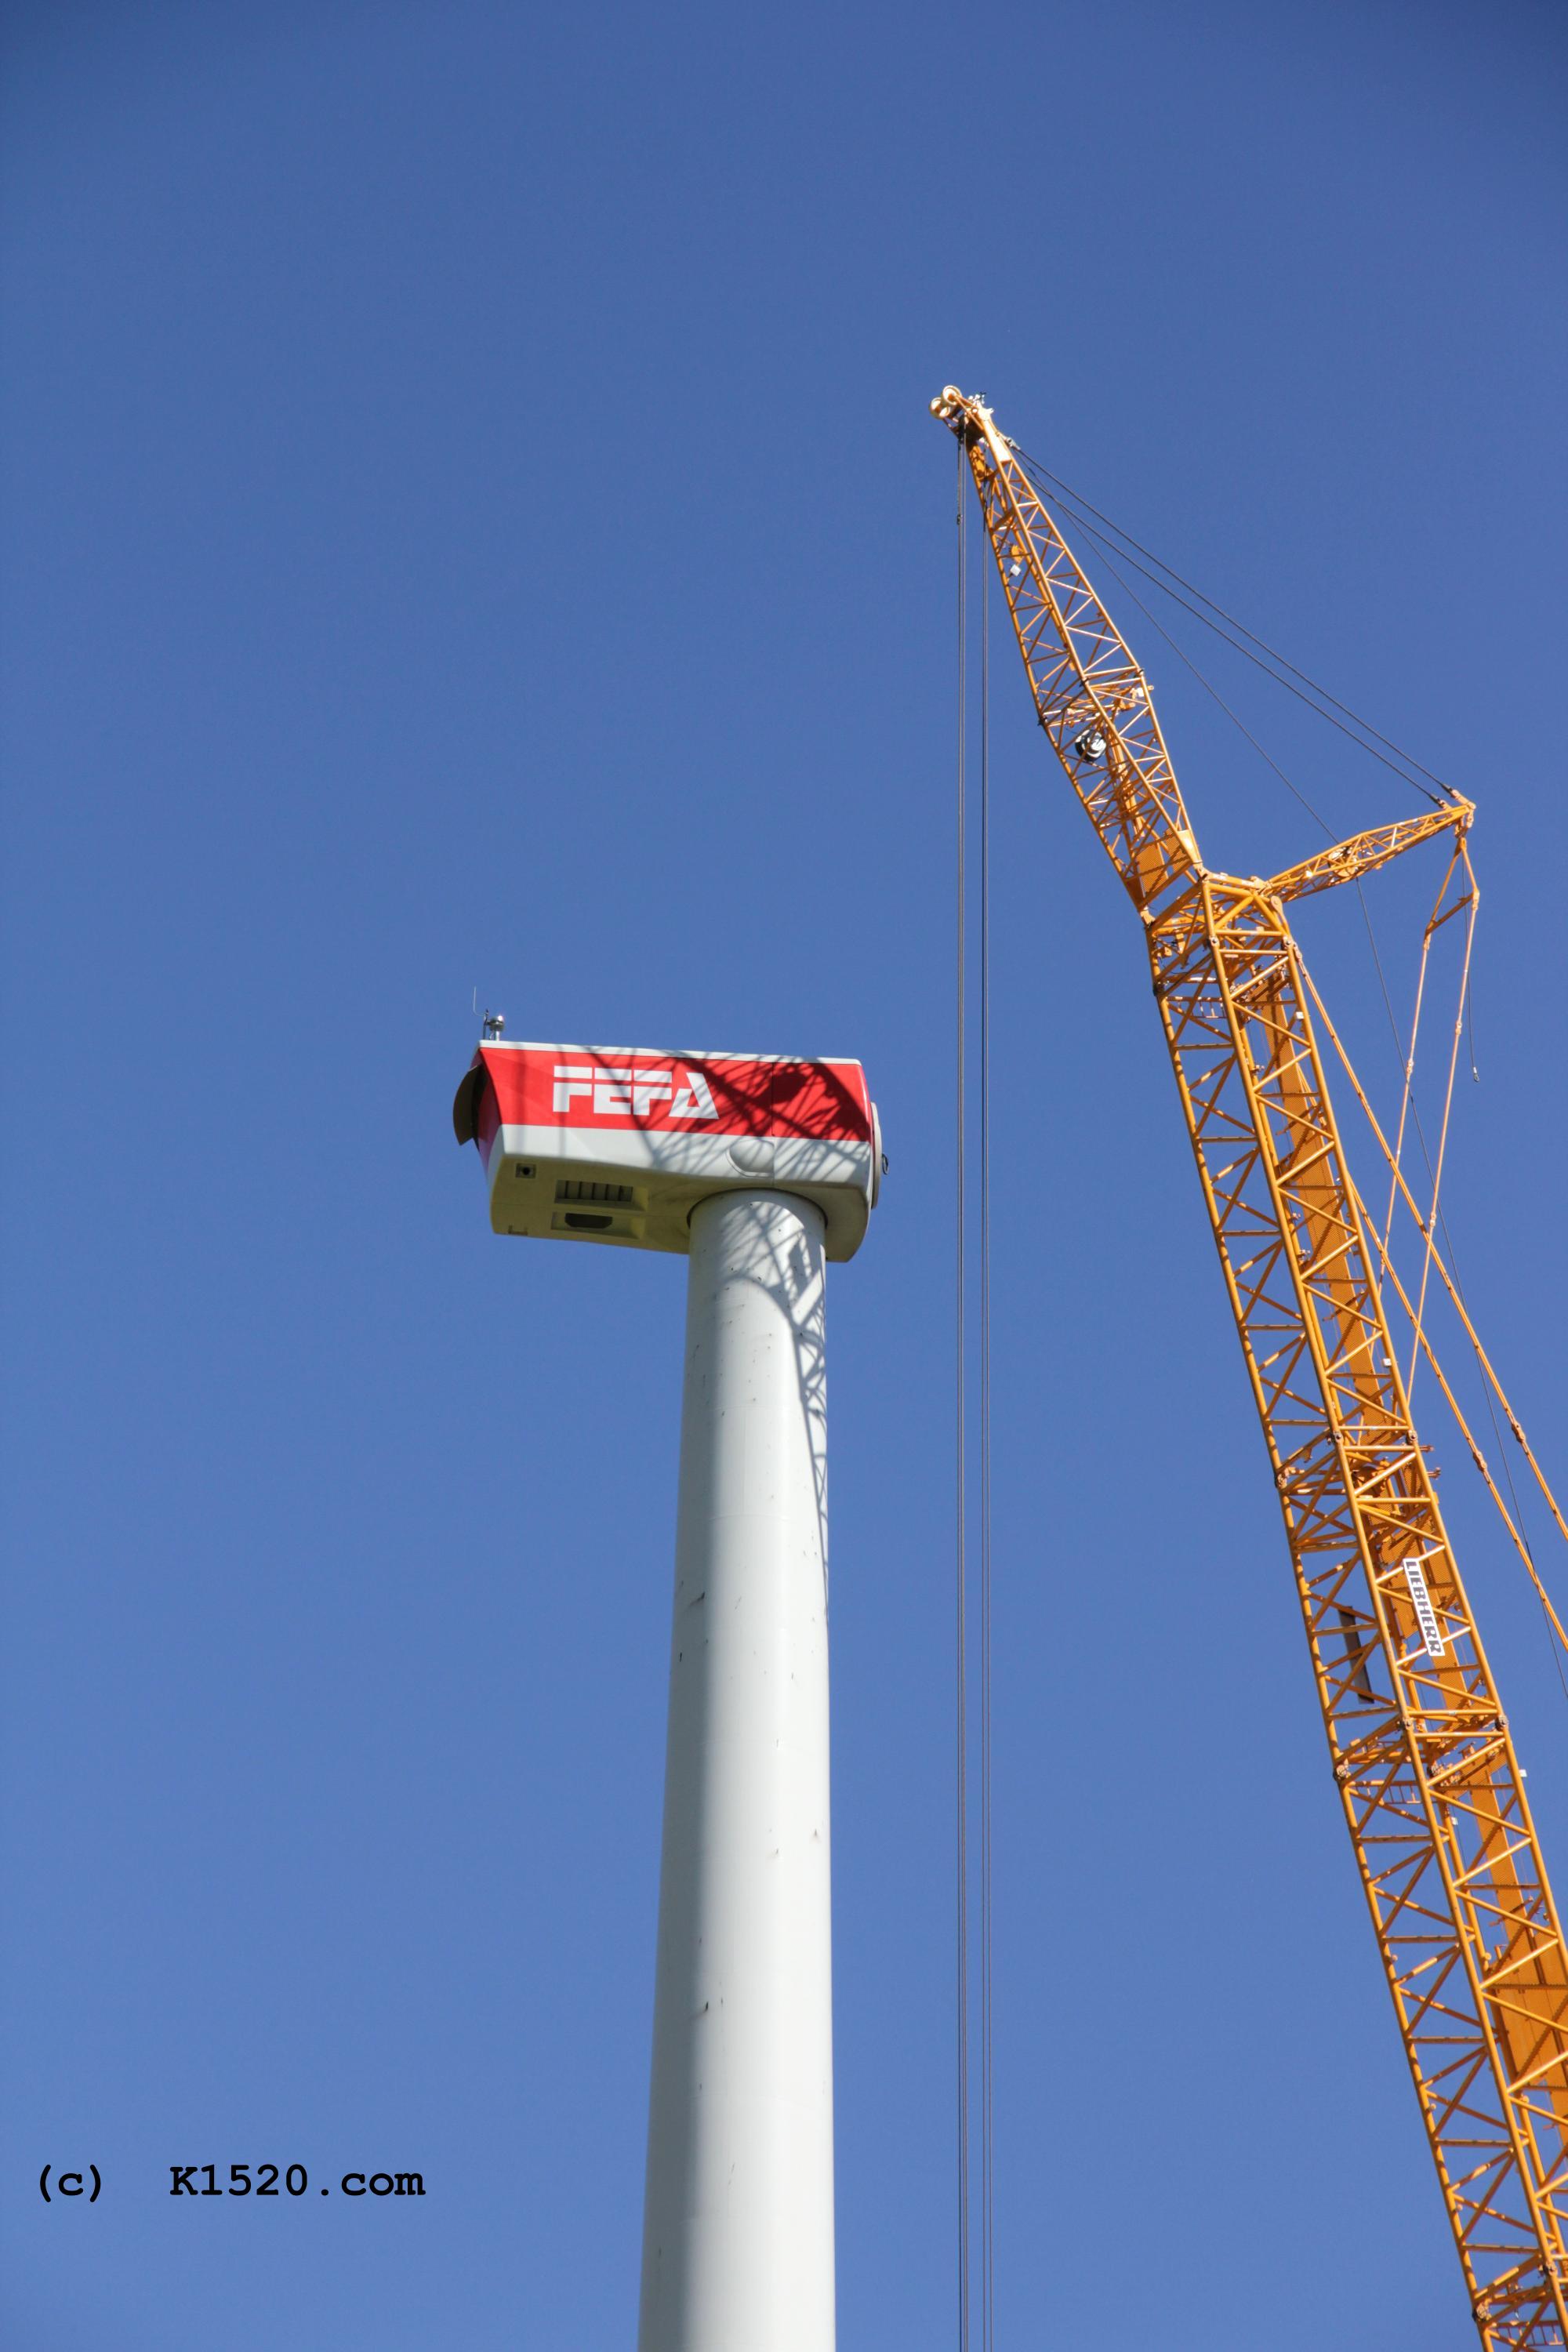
(760,1170)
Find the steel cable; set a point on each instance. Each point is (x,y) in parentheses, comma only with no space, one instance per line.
(987,2083)
(1074,501)
(962,1562)
(1440,1219)
(1208,686)
(968,2264)
(1494,1387)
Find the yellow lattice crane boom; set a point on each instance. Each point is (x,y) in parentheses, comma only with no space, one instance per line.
(1422,1760)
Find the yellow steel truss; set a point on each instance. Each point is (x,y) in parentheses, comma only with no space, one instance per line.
(1422,1756)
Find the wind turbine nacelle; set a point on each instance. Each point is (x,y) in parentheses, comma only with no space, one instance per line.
(607,1143)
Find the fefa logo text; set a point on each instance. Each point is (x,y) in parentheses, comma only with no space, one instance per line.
(632,1092)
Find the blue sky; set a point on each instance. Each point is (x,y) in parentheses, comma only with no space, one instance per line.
(471,522)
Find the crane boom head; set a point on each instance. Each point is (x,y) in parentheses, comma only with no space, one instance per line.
(961,411)
(1090,697)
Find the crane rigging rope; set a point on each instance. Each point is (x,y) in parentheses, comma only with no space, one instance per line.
(1107,556)
(1436,1218)
(1433,924)
(1439,1217)
(1435,1221)
(1472,901)
(1081,509)
(988,2077)
(968,2264)
(1073,501)
(1207,684)
(961,1462)
(1519,1542)
(1436,1257)
(1268,760)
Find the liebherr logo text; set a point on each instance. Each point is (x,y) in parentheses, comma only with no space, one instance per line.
(613,1093)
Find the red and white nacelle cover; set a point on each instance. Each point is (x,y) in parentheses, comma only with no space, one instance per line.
(612,1143)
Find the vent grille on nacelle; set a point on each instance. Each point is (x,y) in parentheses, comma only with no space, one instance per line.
(609,1196)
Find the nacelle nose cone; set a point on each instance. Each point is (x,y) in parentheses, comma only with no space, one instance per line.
(466,1102)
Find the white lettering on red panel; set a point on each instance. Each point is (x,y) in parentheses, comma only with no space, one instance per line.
(612,1093)
(730,1094)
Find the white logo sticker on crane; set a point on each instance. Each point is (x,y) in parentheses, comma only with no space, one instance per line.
(1426,1615)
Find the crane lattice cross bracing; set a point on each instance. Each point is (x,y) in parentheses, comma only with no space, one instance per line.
(1432,1790)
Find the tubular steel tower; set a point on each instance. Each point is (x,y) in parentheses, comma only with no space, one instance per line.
(1422,1757)
(760,1170)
